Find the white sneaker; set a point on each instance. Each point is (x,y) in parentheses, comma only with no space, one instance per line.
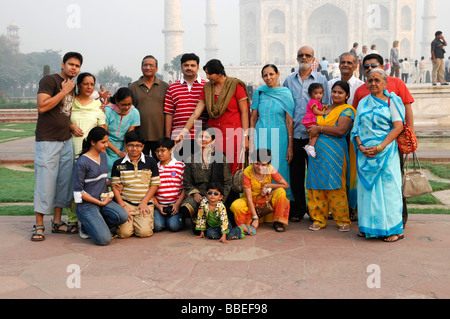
(83,235)
(310,150)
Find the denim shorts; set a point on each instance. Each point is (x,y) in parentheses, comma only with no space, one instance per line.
(53,168)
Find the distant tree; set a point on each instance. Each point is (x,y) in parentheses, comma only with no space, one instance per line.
(19,72)
(174,68)
(46,70)
(110,77)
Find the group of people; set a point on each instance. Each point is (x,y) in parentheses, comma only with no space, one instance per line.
(156,155)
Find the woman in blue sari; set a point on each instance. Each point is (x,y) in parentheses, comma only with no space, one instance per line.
(271,122)
(331,177)
(378,123)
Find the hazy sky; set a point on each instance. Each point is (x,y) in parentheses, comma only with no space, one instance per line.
(120,33)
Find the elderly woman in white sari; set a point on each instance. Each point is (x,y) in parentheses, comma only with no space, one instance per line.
(378,123)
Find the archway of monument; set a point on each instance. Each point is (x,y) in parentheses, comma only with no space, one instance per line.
(327,32)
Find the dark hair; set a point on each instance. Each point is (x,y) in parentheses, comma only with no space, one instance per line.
(262,155)
(214,66)
(165,142)
(84,75)
(314,86)
(372,56)
(343,85)
(121,95)
(438,33)
(208,129)
(70,55)
(134,136)
(95,135)
(149,57)
(273,66)
(190,57)
(355,44)
(215,185)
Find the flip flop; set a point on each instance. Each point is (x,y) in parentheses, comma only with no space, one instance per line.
(399,237)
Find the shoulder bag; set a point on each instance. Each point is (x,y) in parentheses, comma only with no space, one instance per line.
(414,182)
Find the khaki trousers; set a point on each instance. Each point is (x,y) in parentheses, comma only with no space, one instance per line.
(438,71)
(141,226)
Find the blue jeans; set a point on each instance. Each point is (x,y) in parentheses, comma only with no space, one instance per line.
(216,232)
(97,221)
(173,223)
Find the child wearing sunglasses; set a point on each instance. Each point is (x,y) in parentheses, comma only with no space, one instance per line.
(213,220)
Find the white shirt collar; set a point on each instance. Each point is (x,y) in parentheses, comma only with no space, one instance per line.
(172,162)
(127,159)
(199,79)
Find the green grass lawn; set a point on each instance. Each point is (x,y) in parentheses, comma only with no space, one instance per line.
(16,186)
(15,131)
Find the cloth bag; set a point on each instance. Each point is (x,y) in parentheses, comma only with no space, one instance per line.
(414,181)
(407,140)
(237,179)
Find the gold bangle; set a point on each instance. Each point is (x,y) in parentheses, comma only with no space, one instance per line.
(321,129)
(379,148)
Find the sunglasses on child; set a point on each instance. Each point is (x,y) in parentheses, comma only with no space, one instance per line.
(215,193)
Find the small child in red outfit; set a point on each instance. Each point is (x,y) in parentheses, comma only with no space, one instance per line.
(313,109)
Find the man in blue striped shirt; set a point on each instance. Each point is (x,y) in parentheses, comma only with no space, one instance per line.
(299,83)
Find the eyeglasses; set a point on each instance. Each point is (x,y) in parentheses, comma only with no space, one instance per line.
(135,146)
(372,65)
(215,193)
(301,55)
(149,65)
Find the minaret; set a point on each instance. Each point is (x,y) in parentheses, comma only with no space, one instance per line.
(13,36)
(173,32)
(211,27)
(429,26)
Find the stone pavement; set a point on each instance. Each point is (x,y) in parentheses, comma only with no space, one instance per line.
(296,264)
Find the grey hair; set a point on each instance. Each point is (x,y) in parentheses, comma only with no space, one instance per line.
(382,72)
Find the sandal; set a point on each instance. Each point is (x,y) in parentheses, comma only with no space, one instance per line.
(279,227)
(248,230)
(35,233)
(294,219)
(315,227)
(344,228)
(393,241)
(56,228)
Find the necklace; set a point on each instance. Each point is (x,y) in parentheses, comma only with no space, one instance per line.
(260,180)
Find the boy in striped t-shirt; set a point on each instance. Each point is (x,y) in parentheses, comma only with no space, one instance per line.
(139,176)
(170,193)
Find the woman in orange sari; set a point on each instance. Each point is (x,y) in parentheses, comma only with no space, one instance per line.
(262,184)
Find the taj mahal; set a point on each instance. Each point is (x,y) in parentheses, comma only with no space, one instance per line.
(271,31)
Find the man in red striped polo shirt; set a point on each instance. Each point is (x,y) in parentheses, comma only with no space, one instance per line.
(182,98)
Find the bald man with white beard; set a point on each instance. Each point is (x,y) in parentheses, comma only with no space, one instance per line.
(299,83)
